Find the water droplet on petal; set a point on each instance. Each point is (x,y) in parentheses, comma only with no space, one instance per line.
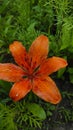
(16,95)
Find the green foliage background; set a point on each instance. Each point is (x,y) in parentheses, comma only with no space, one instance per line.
(24,20)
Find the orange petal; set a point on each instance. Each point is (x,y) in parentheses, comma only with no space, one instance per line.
(47,90)
(20,89)
(38,50)
(10,72)
(19,53)
(52,65)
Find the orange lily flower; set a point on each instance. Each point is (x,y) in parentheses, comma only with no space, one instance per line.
(32,71)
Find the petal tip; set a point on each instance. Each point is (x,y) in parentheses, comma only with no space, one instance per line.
(43,37)
(58,100)
(15,43)
(61,62)
(66,63)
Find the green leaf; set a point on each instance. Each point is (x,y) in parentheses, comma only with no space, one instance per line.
(70,70)
(5,85)
(71,78)
(61,72)
(67,33)
(4,5)
(49,113)
(37,110)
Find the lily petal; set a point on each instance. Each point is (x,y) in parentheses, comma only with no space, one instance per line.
(47,90)
(52,65)
(38,50)
(10,72)
(20,89)
(19,53)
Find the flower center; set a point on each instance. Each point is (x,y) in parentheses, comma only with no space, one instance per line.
(31,73)
(30,76)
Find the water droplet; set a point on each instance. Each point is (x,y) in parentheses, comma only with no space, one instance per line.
(16,95)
